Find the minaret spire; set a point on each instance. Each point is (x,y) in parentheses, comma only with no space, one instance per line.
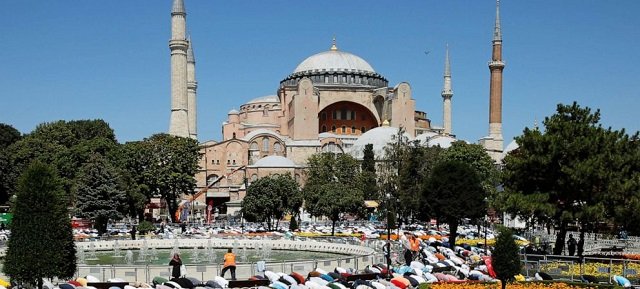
(179,122)
(447,94)
(494,142)
(192,86)
(497,33)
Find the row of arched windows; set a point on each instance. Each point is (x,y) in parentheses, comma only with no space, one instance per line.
(343,130)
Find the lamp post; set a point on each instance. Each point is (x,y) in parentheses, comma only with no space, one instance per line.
(388,244)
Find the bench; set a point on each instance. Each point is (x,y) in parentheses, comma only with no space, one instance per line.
(248,283)
(107,285)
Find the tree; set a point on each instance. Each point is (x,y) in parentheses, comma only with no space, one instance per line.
(454,191)
(8,136)
(40,224)
(477,157)
(269,198)
(133,160)
(505,257)
(368,174)
(576,165)
(173,163)
(331,190)
(99,196)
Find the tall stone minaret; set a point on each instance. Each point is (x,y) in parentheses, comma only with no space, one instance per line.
(179,123)
(494,142)
(192,86)
(447,94)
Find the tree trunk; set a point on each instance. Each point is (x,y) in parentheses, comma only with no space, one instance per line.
(333,227)
(503,283)
(453,232)
(277,224)
(559,246)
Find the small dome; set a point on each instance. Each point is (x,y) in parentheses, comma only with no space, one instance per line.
(233,111)
(441,141)
(513,145)
(334,60)
(379,137)
(424,137)
(275,162)
(268,98)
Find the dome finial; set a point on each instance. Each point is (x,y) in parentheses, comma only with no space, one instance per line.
(334,47)
(385,123)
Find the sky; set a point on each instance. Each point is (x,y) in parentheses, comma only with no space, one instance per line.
(67,60)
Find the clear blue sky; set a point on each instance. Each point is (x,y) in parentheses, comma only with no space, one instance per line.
(110,59)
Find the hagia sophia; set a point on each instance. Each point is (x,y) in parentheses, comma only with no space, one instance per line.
(333,101)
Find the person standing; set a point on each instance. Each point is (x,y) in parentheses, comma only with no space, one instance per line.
(386,250)
(415,247)
(229,264)
(580,246)
(406,246)
(176,263)
(571,245)
(133,232)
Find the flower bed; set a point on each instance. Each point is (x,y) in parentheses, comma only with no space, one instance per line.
(518,285)
(592,268)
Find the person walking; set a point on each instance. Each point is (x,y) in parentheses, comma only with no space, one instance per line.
(176,263)
(229,264)
(571,245)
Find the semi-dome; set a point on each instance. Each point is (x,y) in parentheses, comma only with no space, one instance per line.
(334,60)
(274,162)
(267,98)
(441,141)
(379,137)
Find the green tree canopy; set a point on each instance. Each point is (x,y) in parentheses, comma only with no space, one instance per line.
(455,191)
(8,136)
(505,257)
(269,198)
(41,243)
(331,189)
(576,165)
(172,165)
(100,197)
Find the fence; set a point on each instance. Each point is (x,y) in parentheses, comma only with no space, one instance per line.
(145,273)
(572,268)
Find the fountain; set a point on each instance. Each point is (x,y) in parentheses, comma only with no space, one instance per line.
(243,254)
(195,255)
(235,245)
(92,251)
(116,249)
(128,257)
(142,256)
(81,256)
(154,254)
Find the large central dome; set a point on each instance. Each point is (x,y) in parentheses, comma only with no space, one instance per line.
(334,60)
(336,68)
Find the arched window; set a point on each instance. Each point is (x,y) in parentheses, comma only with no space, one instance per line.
(324,128)
(217,162)
(234,135)
(265,144)
(333,128)
(363,129)
(265,111)
(277,148)
(323,115)
(344,129)
(211,179)
(353,129)
(233,162)
(332,147)
(254,146)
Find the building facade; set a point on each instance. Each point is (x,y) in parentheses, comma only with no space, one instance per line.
(333,101)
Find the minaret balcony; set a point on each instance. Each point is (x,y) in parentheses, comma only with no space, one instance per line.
(496,64)
(447,93)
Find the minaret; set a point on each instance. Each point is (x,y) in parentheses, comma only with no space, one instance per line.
(447,93)
(179,123)
(192,86)
(494,142)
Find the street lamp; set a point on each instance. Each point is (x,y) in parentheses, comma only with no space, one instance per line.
(388,244)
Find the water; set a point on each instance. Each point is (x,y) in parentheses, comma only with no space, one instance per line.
(209,256)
